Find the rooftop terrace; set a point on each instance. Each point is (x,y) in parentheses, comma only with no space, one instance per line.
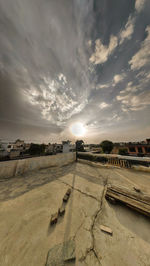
(29,200)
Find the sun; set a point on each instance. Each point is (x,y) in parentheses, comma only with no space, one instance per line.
(78,129)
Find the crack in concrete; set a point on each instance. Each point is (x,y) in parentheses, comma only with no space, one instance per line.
(78,229)
(94,221)
(84,193)
(91,230)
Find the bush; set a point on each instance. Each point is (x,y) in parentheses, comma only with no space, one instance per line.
(80,145)
(37,149)
(107,146)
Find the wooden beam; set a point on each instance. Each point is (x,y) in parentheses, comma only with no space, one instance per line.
(135,200)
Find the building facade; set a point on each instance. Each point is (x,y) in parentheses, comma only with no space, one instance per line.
(133,148)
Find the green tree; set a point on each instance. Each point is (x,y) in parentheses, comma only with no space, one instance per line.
(107,146)
(37,149)
(80,145)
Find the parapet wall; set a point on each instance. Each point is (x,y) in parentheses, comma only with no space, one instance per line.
(18,167)
(139,163)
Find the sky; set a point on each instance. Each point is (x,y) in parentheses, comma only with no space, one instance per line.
(69,61)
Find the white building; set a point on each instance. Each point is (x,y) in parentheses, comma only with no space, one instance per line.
(3,149)
(67,146)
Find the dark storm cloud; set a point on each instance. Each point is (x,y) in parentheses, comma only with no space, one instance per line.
(66,61)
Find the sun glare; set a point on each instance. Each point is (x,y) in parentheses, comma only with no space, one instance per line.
(78,129)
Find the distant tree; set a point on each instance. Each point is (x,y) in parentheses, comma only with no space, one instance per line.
(123,151)
(80,145)
(37,149)
(107,146)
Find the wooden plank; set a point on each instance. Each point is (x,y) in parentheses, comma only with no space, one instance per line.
(129,199)
(141,196)
(106,229)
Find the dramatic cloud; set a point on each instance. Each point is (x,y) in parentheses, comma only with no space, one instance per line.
(142,57)
(103,105)
(102,86)
(63,62)
(118,78)
(130,88)
(135,102)
(127,32)
(102,52)
(139,5)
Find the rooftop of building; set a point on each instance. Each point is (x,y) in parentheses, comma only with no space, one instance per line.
(28,201)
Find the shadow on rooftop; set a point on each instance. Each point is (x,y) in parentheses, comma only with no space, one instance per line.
(17,186)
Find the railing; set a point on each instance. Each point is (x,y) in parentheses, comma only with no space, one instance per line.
(119,162)
(113,159)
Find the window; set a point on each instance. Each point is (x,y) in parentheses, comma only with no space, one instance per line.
(140,150)
(147,149)
(132,149)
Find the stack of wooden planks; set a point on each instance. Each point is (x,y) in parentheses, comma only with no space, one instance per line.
(134,198)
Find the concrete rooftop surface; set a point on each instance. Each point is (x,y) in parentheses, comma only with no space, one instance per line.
(27,203)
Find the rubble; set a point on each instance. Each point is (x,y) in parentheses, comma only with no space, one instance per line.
(67,195)
(68,192)
(65,198)
(137,189)
(54,218)
(61,210)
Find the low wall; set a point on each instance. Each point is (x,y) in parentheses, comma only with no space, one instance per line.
(113,159)
(18,167)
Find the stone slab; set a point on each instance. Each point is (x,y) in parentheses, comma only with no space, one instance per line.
(61,254)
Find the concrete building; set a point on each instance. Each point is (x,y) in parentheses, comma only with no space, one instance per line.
(27,146)
(50,149)
(134,148)
(67,146)
(13,149)
(3,153)
(53,148)
(10,146)
(14,154)
(138,149)
(19,145)
(59,148)
(4,144)
(3,150)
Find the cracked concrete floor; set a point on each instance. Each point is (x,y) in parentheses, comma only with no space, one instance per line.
(27,202)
